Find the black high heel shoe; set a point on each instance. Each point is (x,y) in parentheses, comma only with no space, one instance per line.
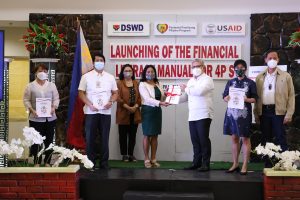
(237,169)
(244,173)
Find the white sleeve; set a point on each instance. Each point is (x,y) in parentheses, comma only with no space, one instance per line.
(55,99)
(83,83)
(27,97)
(183,97)
(148,100)
(114,85)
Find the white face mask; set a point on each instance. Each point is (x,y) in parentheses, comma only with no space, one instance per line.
(196,71)
(42,76)
(272,63)
(127,74)
(99,65)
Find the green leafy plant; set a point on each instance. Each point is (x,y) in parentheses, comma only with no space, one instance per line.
(42,38)
(295,39)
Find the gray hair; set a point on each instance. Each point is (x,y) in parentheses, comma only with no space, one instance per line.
(200,61)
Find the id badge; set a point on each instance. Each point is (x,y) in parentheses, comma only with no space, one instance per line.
(98,84)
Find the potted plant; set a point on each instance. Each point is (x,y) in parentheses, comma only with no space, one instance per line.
(45,41)
(295,44)
(23,182)
(279,181)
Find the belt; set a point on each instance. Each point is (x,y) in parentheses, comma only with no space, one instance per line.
(269,106)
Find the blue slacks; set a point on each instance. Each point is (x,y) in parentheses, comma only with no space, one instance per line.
(199,131)
(93,124)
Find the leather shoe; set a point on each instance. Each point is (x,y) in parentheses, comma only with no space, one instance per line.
(132,159)
(237,169)
(104,167)
(125,158)
(192,167)
(203,169)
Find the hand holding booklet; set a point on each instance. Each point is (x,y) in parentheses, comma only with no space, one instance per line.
(173,94)
(237,96)
(99,100)
(43,107)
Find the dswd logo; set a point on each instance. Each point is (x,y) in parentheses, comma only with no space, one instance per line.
(116,27)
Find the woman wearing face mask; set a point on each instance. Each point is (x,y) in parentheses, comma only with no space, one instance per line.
(41,88)
(152,98)
(237,122)
(128,114)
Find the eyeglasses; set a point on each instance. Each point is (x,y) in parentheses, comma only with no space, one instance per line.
(197,66)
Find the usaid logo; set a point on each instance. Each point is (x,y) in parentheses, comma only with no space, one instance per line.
(211,29)
(224,29)
(128,28)
(229,28)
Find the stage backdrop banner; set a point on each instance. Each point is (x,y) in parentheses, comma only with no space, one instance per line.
(1,63)
(172,56)
(178,58)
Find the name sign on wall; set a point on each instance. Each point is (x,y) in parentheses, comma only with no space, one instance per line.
(169,28)
(181,70)
(223,29)
(128,28)
(173,61)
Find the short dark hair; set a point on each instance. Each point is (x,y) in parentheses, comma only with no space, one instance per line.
(240,62)
(40,65)
(143,78)
(121,75)
(99,55)
(270,51)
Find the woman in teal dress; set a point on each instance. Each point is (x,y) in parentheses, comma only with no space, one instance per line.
(152,98)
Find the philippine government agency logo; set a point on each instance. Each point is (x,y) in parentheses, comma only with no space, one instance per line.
(128,28)
(43,109)
(211,28)
(162,28)
(116,27)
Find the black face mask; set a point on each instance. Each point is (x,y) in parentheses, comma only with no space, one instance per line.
(240,72)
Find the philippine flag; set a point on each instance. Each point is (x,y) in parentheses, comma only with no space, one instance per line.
(83,63)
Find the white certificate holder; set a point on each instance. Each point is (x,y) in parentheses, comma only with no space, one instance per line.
(237,96)
(173,94)
(100,99)
(43,107)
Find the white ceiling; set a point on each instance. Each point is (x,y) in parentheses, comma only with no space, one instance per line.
(151,5)
(18,10)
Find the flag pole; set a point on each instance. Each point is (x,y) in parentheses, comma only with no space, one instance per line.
(78,23)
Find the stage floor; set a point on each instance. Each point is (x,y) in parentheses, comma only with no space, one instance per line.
(112,184)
